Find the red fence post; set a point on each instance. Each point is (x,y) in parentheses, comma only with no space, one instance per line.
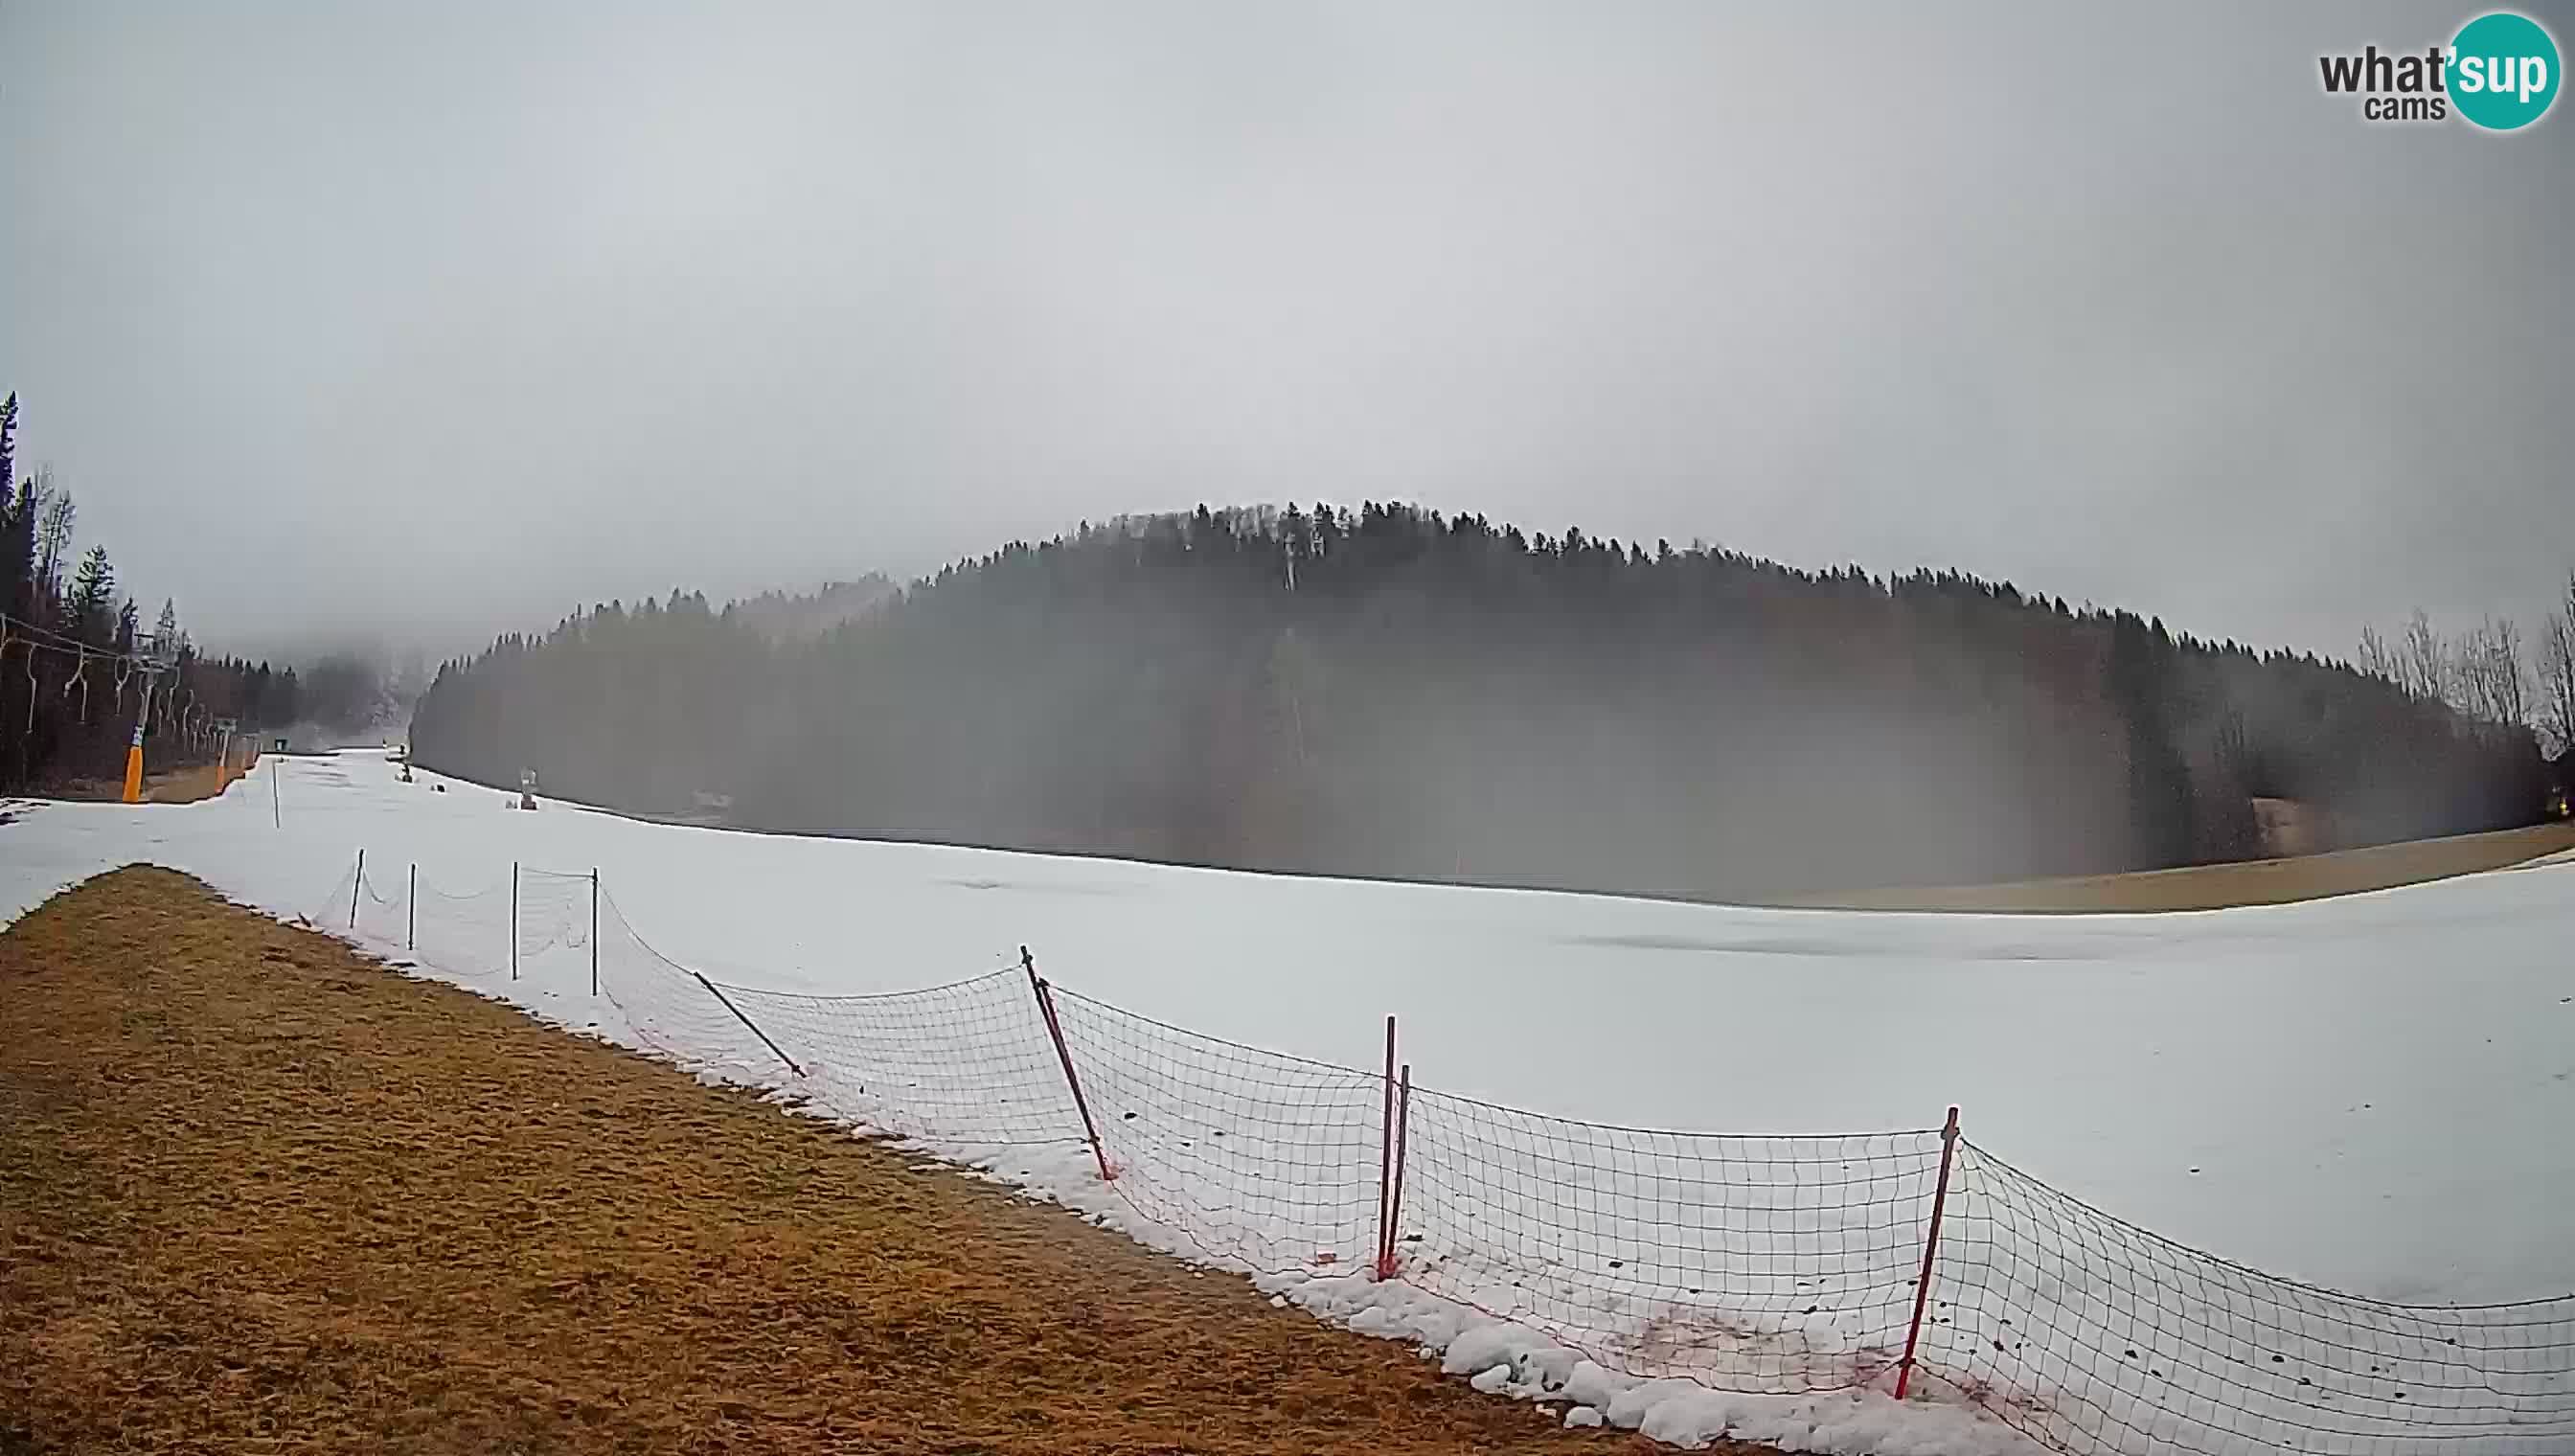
(1055,1029)
(1391,1233)
(1930,1247)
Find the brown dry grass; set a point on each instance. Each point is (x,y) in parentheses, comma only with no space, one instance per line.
(186,785)
(259,1195)
(177,786)
(2210,887)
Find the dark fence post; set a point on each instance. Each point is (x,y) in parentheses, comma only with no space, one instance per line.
(1930,1248)
(747,1021)
(594,929)
(355,886)
(1391,1234)
(411,908)
(1386,1148)
(514,919)
(1055,1029)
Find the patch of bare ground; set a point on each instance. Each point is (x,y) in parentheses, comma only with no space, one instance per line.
(176,785)
(2213,886)
(260,1194)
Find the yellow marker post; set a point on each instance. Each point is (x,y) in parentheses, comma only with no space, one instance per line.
(134,768)
(134,749)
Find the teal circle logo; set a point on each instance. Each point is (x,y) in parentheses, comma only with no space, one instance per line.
(2503,71)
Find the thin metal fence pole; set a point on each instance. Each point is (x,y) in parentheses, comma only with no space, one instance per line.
(514,919)
(1386,1258)
(411,908)
(1055,1029)
(1930,1248)
(747,1021)
(356,885)
(1386,1152)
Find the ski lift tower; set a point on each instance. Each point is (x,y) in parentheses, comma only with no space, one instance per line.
(156,655)
(226,732)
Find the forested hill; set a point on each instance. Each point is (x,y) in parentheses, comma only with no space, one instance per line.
(76,656)
(1394,692)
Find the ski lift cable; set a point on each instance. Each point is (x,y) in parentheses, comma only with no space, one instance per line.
(14,632)
(18,628)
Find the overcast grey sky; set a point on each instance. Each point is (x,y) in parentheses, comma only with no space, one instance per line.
(444,319)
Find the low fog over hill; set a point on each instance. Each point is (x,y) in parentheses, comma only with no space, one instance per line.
(1390,692)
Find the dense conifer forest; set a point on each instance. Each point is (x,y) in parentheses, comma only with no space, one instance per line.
(1393,692)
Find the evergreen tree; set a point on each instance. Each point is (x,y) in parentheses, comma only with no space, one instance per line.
(18,551)
(90,607)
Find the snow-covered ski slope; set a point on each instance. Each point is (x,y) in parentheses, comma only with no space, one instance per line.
(2368,1093)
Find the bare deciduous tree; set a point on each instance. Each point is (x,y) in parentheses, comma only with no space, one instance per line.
(2486,676)
(2423,668)
(2507,675)
(54,533)
(2377,658)
(2557,674)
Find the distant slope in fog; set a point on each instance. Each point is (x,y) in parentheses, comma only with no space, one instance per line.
(2219,887)
(788,617)
(1391,692)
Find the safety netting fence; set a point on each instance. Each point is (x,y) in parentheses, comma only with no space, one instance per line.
(2098,1337)
(1913,1263)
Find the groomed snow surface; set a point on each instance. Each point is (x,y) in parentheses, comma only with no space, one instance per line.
(2368,1094)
